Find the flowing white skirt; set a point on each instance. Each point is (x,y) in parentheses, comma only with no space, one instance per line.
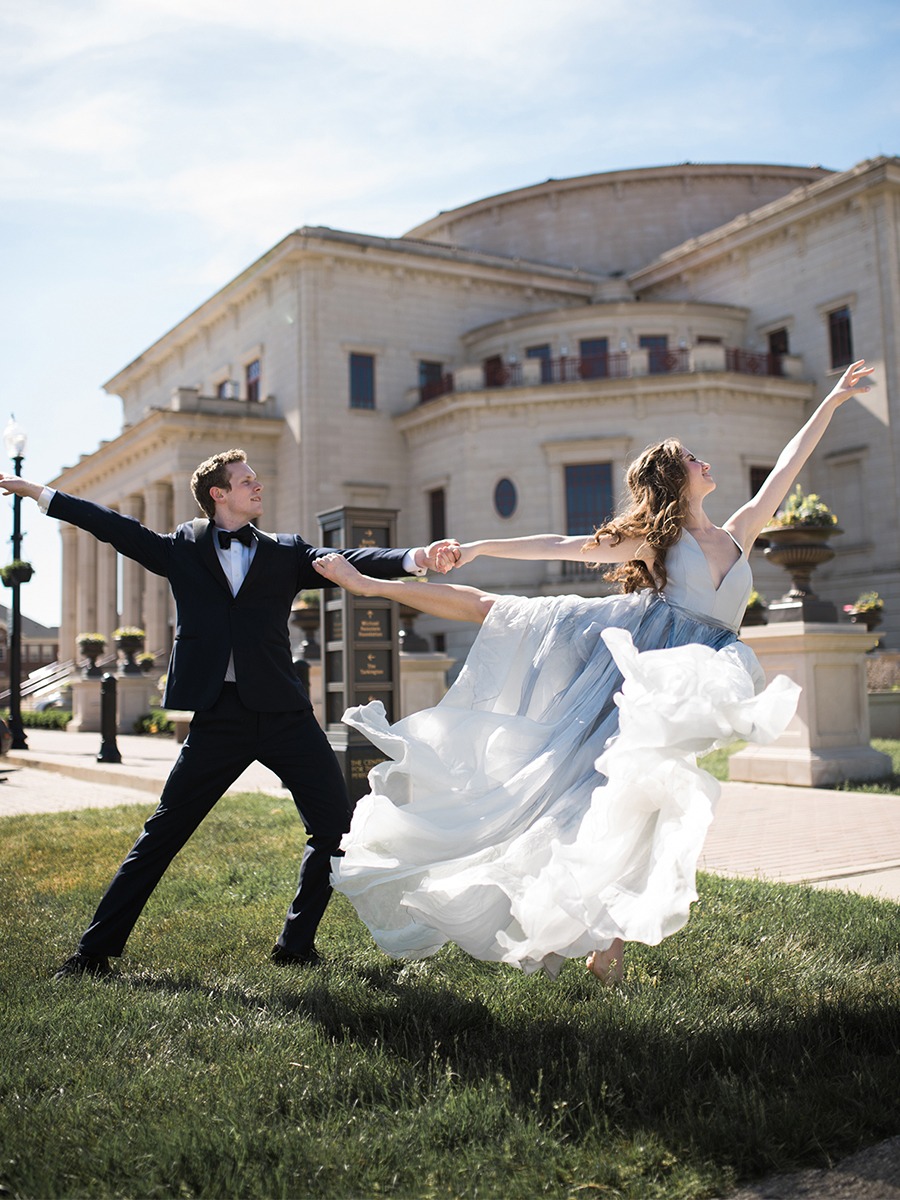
(551,801)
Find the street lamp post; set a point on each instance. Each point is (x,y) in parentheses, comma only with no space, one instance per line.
(15,438)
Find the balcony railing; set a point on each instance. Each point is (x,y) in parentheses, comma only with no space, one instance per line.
(618,364)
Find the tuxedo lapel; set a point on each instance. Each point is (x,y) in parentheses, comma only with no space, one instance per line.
(206,545)
(261,556)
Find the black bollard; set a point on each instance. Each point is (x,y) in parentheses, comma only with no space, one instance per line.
(109,751)
(301,668)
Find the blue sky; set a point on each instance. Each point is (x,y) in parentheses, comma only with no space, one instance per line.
(151,149)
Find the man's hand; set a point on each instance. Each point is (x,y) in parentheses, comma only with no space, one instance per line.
(441,556)
(12,485)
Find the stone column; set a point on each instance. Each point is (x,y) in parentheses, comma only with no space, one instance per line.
(132,573)
(69,600)
(107,592)
(156,588)
(828,741)
(86,603)
(184,508)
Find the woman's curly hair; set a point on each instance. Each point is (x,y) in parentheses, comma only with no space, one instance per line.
(655,513)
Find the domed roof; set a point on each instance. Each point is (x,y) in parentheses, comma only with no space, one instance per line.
(614,222)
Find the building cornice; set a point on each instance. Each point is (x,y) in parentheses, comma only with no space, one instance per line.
(605,311)
(665,388)
(319,244)
(803,204)
(159,429)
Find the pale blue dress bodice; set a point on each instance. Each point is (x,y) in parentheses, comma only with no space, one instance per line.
(690,584)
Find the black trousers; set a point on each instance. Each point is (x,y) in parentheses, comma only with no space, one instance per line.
(223,741)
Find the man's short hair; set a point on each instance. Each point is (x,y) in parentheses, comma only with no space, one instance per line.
(212,473)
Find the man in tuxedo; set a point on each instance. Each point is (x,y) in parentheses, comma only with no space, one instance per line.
(231,665)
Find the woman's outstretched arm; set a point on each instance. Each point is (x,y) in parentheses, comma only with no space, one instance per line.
(553,546)
(746,524)
(452,600)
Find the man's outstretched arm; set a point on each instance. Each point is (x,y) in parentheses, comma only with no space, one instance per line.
(12,485)
(127,535)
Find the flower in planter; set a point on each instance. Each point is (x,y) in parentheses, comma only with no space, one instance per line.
(808,511)
(756,602)
(128,631)
(145,661)
(18,571)
(90,639)
(865,602)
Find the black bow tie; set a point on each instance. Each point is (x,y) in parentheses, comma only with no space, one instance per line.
(227,536)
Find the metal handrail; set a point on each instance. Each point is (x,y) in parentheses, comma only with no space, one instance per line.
(615,364)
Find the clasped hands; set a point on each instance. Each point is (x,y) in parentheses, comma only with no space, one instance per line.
(442,556)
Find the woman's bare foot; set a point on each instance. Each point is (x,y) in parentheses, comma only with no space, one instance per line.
(607,964)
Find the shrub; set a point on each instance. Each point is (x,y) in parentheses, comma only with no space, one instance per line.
(51,718)
(155,721)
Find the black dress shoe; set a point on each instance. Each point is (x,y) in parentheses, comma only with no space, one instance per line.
(286,958)
(83,964)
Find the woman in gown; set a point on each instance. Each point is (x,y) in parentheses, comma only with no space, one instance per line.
(550,805)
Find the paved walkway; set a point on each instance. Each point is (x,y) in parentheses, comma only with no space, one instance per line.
(845,840)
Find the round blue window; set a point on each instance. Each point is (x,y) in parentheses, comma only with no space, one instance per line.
(505,498)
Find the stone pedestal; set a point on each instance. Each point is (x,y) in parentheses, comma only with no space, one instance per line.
(423,680)
(133,696)
(85,705)
(884,714)
(827,742)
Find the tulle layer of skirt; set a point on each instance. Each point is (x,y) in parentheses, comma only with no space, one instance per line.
(551,801)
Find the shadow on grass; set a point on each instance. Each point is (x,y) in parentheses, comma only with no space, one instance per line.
(733,1078)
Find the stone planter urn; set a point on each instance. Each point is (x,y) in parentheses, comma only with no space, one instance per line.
(306,614)
(130,642)
(755,616)
(800,549)
(410,641)
(92,648)
(870,617)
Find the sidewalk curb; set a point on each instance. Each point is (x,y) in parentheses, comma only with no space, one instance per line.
(114,773)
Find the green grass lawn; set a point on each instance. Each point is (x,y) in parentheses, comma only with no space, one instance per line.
(764,1036)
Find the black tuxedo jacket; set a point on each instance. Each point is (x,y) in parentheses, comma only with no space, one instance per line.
(210,622)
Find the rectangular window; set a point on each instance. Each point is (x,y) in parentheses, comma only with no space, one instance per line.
(758,476)
(594,355)
(252,375)
(657,345)
(431,380)
(589,501)
(362,381)
(542,352)
(778,342)
(437,510)
(839,337)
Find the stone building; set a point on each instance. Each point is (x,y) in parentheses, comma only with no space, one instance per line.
(40,648)
(491,372)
